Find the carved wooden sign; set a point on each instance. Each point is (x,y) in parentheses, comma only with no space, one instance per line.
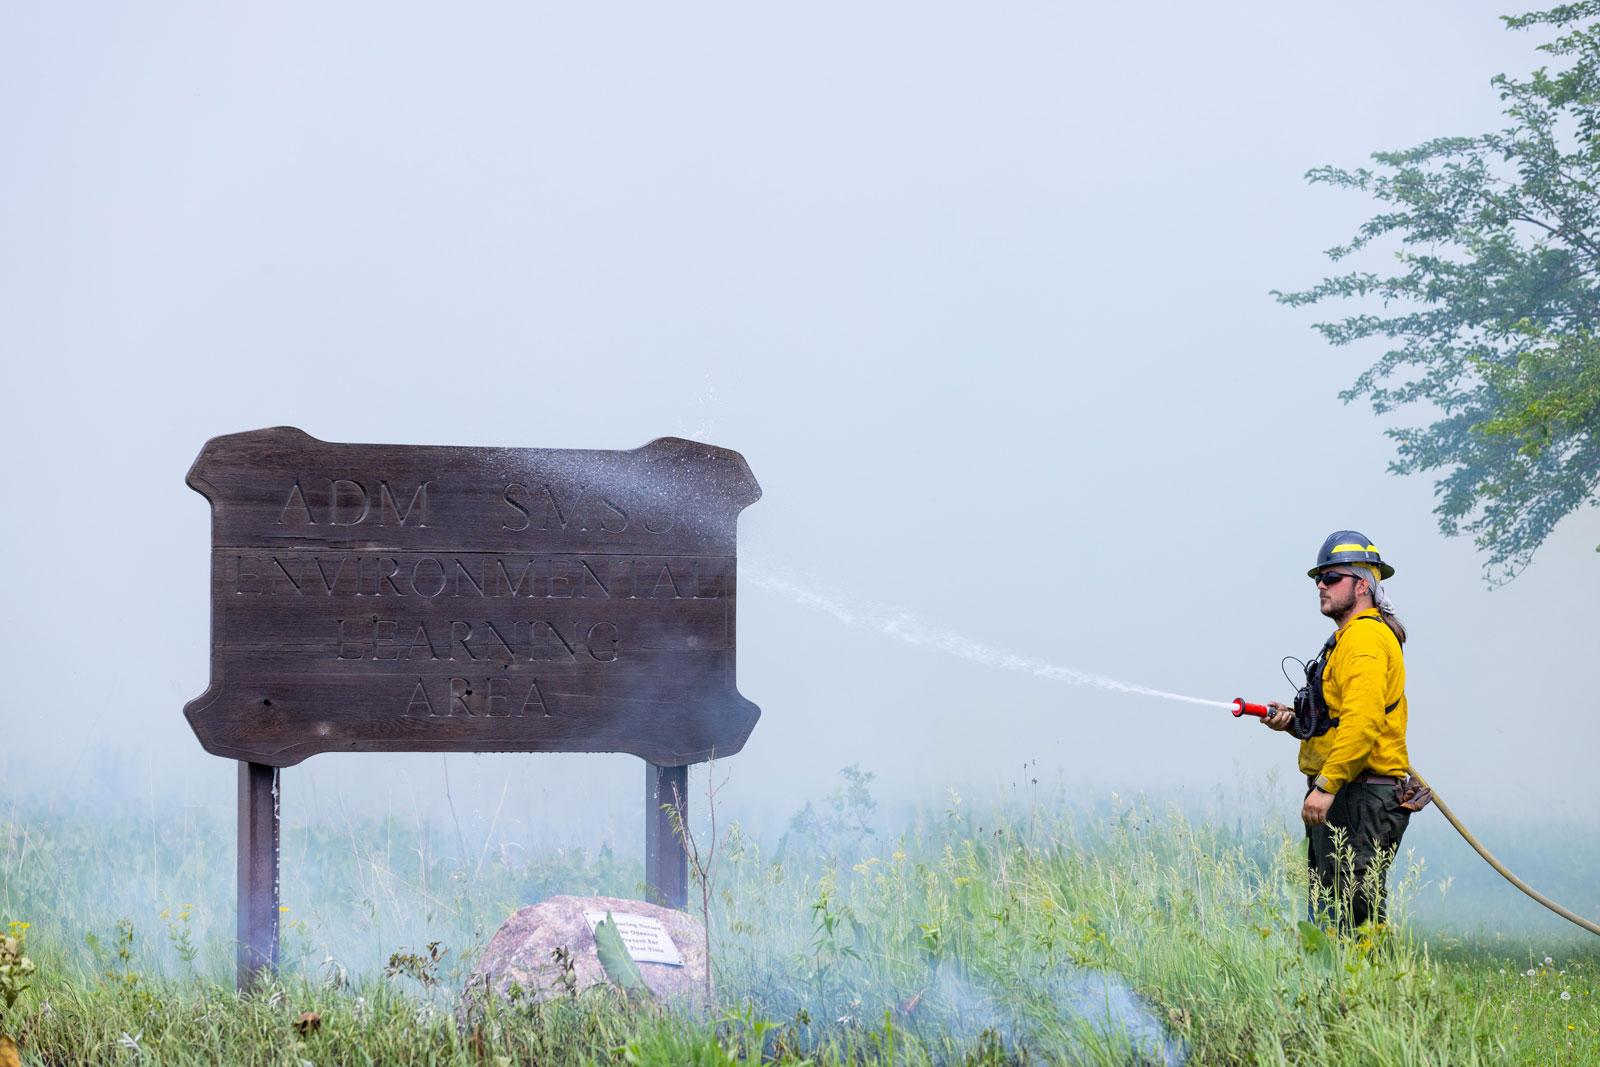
(381,598)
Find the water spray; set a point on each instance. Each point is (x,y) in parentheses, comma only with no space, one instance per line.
(908,629)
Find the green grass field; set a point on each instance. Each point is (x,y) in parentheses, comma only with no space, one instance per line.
(1125,934)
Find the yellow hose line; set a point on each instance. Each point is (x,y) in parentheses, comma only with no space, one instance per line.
(1497,865)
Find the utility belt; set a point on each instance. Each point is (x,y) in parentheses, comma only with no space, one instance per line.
(1364,778)
(1409,792)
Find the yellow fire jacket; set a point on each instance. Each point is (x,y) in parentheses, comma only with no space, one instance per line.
(1365,675)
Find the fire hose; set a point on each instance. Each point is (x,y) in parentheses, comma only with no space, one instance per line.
(1261,711)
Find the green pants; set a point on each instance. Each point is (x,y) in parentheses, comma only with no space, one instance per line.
(1349,857)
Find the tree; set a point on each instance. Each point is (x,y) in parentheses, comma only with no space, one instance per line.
(1491,312)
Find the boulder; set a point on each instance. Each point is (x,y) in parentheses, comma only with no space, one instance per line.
(548,950)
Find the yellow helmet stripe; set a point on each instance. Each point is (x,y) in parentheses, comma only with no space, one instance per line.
(1354,548)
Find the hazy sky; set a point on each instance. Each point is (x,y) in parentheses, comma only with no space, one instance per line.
(980,292)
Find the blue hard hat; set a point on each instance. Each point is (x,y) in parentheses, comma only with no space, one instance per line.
(1350,546)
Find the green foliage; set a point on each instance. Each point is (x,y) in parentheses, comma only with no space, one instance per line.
(422,966)
(672,1046)
(1490,310)
(1313,938)
(616,961)
(738,1040)
(1550,393)
(15,967)
(846,824)
(180,933)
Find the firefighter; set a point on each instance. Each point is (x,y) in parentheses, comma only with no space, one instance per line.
(1353,752)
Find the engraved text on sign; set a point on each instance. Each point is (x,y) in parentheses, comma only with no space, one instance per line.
(395,598)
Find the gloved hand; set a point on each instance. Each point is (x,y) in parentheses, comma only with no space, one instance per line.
(1411,794)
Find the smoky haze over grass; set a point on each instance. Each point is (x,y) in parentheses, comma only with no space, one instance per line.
(361,879)
(944,932)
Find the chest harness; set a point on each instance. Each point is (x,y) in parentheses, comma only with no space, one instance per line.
(1312,716)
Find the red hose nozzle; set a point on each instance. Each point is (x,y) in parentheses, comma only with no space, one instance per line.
(1260,711)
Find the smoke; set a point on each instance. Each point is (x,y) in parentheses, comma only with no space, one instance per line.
(908,629)
(1089,1011)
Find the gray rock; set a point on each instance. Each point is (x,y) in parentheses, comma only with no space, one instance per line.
(523,952)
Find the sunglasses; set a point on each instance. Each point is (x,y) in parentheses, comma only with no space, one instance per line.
(1332,578)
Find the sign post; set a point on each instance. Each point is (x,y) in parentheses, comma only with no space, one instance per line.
(384,598)
(258,871)
(666,866)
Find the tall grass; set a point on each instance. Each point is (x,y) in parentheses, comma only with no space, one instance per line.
(1127,934)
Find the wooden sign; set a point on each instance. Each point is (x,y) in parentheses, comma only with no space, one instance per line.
(385,598)
(395,598)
